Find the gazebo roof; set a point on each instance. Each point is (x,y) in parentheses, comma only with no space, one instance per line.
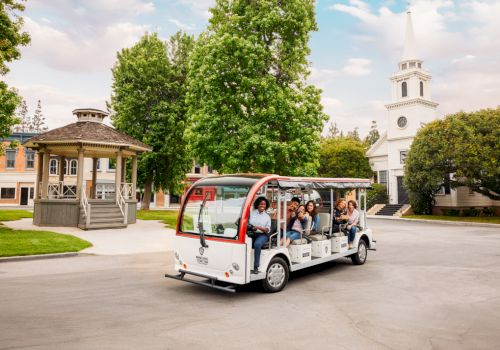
(87,131)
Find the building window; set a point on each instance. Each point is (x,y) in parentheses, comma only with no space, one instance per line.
(11,158)
(8,193)
(404,89)
(99,164)
(209,169)
(30,159)
(402,121)
(53,165)
(420,65)
(412,64)
(421,88)
(111,163)
(402,156)
(382,176)
(73,167)
(197,168)
(404,66)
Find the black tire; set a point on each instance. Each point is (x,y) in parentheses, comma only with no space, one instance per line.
(276,275)
(360,256)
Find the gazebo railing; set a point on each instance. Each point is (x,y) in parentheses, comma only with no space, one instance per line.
(58,190)
(86,207)
(120,201)
(126,190)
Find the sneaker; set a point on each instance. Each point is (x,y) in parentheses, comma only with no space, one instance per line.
(255,271)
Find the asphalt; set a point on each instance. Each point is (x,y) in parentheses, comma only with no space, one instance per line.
(426,287)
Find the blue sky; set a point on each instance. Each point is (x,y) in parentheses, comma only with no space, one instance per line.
(354,52)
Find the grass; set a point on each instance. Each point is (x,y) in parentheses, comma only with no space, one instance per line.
(26,242)
(11,215)
(168,217)
(488,220)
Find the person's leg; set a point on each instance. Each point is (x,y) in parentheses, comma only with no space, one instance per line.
(259,242)
(351,236)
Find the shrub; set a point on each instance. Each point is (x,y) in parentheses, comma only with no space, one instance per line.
(488,211)
(451,212)
(377,195)
(471,212)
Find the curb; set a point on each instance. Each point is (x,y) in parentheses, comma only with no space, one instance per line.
(441,222)
(39,257)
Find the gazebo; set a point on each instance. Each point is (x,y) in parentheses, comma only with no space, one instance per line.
(60,203)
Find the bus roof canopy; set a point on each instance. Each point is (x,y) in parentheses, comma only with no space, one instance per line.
(324,183)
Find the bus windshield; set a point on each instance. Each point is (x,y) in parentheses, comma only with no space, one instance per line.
(214,209)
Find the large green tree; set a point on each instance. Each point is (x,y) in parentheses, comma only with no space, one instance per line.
(343,156)
(464,145)
(11,38)
(148,103)
(250,106)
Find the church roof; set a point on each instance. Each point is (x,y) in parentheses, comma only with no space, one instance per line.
(410,52)
(87,131)
(372,150)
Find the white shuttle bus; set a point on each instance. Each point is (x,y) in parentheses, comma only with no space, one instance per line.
(213,242)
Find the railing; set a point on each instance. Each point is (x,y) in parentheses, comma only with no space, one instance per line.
(105,191)
(58,190)
(126,190)
(86,207)
(120,201)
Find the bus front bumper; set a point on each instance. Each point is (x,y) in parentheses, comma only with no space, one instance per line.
(211,281)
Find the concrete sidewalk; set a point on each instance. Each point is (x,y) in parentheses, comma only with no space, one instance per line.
(441,222)
(146,236)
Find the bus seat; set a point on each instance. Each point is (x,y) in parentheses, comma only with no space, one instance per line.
(299,241)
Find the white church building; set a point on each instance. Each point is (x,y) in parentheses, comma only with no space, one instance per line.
(410,108)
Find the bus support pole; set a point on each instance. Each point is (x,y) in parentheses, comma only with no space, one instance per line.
(278,224)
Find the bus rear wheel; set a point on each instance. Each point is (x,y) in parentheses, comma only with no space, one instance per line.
(276,275)
(359,257)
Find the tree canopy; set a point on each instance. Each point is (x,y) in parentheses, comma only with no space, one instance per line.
(464,145)
(343,157)
(11,37)
(148,103)
(250,107)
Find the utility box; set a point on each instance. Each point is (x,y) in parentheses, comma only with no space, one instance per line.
(320,249)
(300,253)
(339,244)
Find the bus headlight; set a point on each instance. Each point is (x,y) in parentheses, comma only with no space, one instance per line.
(236,266)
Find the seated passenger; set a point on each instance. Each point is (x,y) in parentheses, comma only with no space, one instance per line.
(352,222)
(339,215)
(261,223)
(290,212)
(296,225)
(312,212)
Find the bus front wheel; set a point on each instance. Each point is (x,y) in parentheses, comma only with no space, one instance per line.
(359,257)
(276,275)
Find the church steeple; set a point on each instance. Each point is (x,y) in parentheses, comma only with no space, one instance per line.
(409,52)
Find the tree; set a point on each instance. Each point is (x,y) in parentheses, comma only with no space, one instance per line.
(250,107)
(343,157)
(464,145)
(333,130)
(354,134)
(11,38)
(37,123)
(22,115)
(373,135)
(148,103)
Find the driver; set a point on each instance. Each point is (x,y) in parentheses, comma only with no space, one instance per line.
(261,223)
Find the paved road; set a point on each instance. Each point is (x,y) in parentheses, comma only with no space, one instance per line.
(427,287)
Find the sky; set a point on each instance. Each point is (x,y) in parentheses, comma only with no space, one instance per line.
(353,54)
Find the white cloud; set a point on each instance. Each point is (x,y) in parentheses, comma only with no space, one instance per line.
(330,102)
(78,52)
(181,25)
(357,66)
(200,7)
(322,77)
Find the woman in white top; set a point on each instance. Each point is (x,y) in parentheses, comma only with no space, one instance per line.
(353,221)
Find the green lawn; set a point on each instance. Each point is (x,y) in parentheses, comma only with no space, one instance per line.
(488,220)
(11,215)
(25,242)
(168,217)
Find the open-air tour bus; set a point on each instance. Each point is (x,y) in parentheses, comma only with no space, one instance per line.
(213,242)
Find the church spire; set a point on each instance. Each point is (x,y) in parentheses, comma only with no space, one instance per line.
(409,52)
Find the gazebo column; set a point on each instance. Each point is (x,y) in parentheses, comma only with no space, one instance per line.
(62,160)
(79,176)
(45,173)
(39,174)
(134,175)
(118,175)
(93,193)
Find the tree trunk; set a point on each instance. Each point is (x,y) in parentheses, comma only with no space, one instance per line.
(146,200)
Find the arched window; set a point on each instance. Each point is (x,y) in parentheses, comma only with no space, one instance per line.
(404,89)
(73,166)
(422,88)
(53,165)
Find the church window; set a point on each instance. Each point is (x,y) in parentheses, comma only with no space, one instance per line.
(402,121)
(404,65)
(404,89)
(422,88)
(412,64)
(402,156)
(420,65)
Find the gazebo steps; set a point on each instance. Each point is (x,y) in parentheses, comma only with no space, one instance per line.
(103,214)
(102,225)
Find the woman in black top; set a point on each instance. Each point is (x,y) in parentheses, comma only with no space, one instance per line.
(339,215)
